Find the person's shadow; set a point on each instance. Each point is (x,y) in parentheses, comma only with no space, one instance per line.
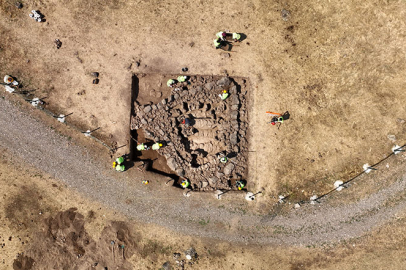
(286,115)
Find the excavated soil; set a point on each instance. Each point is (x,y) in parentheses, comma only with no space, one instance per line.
(217,128)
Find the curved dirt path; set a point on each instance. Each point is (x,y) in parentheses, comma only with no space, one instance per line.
(42,147)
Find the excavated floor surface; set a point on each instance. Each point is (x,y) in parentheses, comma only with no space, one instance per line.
(217,128)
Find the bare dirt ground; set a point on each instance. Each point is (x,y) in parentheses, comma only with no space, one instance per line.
(335,67)
(40,230)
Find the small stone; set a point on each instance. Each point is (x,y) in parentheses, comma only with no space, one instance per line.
(96,81)
(228,168)
(392,138)
(235,100)
(163,101)
(147,109)
(297,206)
(171,163)
(285,14)
(191,44)
(166,266)
(192,91)
(143,121)
(233,90)
(209,85)
(95,74)
(234,107)
(400,121)
(19,5)
(204,184)
(176,96)
(234,115)
(224,82)
(225,55)
(219,174)
(154,107)
(233,138)
(213,180)
(180,172)
(159,106)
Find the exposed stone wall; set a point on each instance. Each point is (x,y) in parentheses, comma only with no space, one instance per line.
(217,127)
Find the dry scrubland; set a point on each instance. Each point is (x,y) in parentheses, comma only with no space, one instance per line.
(336,67)
(38,225)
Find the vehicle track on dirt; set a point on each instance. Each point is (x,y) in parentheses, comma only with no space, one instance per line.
(42,147)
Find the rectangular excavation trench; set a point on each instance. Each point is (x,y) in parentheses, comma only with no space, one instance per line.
(217,128)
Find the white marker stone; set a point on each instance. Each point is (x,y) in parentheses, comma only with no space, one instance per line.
(338,185)
(396,149)
(249,196)
(366,168)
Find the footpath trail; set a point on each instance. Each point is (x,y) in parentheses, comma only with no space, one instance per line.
(200,215)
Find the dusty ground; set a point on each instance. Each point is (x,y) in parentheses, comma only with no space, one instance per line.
(40,229)
(336,67)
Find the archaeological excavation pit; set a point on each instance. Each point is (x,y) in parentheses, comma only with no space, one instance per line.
(217,128)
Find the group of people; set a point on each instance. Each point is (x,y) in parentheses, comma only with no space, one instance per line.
(173,82)
(143,146)
(221,38)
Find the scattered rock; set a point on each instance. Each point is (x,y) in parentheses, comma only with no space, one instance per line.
(58,43)
(400,121)
(224,82)
(171,163)
(19,5)
(228,168)
(163,101)
(96,81)
(95,74)
(225,55)
(285,14)
(233,138)
(209,85)
(213,180)
(392,138)
(143,121)
(166,266)
(147,109)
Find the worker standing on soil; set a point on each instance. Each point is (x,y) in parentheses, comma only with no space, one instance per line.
(185,183)
(142,147)
(223,159)
(221,35)
(236,37)
(156,146)
(10,80)
(118,164)
(240,184)
(170,82)
(186,122)
(223,95)
(182,79)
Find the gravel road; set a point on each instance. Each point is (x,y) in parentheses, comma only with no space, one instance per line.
(199,215)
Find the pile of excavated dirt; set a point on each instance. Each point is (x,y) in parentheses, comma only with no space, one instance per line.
(64,243)
(217,128)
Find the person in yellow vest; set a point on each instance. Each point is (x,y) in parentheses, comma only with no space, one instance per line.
(156,146)
(236,37)
(118,164)
(221,35)
(170,82)
(223,95)
(185,183)
(217,43)
(223,159)
(240,184)
(142,147)
(182,78)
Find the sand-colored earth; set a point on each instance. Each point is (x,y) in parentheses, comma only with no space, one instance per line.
(336,67)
